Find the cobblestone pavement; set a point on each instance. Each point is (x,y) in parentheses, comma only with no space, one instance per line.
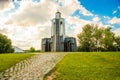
(33,68)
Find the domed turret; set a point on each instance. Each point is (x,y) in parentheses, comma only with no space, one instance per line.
(58,14)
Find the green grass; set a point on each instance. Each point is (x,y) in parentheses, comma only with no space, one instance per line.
(8,60)
(89,66)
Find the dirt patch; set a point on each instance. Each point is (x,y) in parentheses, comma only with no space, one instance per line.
(51,75)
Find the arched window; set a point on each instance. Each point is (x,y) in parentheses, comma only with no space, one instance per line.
(61,23)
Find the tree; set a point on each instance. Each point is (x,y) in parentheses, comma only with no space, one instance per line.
(108,39)
(5,44)
(32,49)
(98,35)
(117,43)
(93,38)
(85,38)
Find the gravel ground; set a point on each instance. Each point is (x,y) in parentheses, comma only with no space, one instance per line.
(34,68)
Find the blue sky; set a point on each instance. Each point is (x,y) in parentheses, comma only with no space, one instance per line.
(102,7)
(21,19)
(108,8)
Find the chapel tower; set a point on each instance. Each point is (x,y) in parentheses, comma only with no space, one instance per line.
(58,32)
(58,41)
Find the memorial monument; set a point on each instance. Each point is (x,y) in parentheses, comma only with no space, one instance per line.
(58,42)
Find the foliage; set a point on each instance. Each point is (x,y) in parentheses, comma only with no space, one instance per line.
(92,66)
(37,50)
(32,49)
(117,43)
(5,44)
(8,60)
(93,38)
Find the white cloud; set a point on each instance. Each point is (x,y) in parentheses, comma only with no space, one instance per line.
(118,7)
(34,14)
(5,5)
(26,37)
(69,6)
(78,25)
(114,20)
(106,17)
(84,11)
(31,14)
(117,32)
(96,19)
(3,30)
(114,12)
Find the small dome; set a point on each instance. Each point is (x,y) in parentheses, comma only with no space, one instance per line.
(58,12)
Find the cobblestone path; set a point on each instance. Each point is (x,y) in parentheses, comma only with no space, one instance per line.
(33,68)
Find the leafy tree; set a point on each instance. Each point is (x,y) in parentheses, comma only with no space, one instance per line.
(98,35)
(117,43)
(93,38)
(5,44)
(32,49)
(85,38)
(108,39)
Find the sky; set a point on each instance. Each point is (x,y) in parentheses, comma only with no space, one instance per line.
(26,22)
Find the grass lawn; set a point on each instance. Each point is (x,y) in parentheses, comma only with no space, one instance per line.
(88,66)
(8,60)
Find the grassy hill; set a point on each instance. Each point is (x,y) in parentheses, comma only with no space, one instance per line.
(8,60)
(88,66)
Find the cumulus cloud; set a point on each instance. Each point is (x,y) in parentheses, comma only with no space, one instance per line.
(117,32)
(84,11)
(114,12)
(32,15)
(96,19)
(26,37)
(5,5)
(106,17)
(69,6)
(77,25)
(114,20)
(3,30)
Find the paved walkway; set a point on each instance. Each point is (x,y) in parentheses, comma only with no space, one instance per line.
(34,68)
